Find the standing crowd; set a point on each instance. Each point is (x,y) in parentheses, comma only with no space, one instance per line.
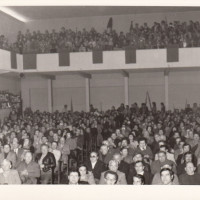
(125,145)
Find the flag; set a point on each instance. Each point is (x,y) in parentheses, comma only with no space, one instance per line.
(131,26)
(110,23)
(29,61)
(71,105)
(64,58)
(130,55)
(172,53)
(13,58)
(97,56)
(149,100)
(146,99)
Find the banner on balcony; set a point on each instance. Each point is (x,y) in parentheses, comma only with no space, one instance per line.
(97,56)
(13,58)
(172,53)
(29,61)
(64,59)
(130,55)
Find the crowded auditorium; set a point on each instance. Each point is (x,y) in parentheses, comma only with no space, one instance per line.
(99,95)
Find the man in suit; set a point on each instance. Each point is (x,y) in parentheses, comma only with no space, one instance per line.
(9,155)
(95,166)
(105,154)
(113,166)
(180,159)
(144,149)
(123,166)
(18,151)
(139,169)
(132,171)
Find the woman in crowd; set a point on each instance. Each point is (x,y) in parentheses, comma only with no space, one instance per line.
(86,177)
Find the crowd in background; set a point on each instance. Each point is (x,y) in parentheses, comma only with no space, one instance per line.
(125,145)
(159,35)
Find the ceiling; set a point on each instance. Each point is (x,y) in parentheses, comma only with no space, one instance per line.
(53,12)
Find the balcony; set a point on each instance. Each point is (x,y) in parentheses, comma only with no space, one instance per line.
(112,60)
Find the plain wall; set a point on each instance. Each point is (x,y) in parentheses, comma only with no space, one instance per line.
(10,84)
(34,93)
(10,26)
(107,90)
(141,83)
(120,22)
(184,87)
(67,89)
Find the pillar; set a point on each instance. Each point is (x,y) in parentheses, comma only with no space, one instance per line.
(166,77)
(126,86)
(50,95)
(87,93)
(126,90)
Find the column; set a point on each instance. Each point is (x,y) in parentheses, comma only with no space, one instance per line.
(25,91)
(50,95)
(166,76)
(87,93)
(126,90)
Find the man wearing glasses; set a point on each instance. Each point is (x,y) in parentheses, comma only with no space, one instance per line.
(95,166)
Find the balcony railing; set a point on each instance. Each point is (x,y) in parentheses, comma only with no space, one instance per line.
(111,60)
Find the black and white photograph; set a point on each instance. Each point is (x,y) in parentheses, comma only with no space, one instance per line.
(100,95)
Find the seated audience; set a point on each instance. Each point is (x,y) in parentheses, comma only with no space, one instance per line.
(35,142)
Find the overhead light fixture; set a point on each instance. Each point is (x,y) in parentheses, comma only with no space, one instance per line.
(14,14)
